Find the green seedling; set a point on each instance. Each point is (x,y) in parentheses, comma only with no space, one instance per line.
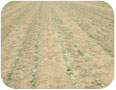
(100,84)
(80,53)
(74,82)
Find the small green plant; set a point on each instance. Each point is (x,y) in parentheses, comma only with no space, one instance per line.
(80,53)
(74,82)
(69,71)
(100,84)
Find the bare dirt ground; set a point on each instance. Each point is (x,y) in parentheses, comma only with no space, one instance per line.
(57,45)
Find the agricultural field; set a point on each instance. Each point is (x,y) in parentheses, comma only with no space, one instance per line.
(57,45)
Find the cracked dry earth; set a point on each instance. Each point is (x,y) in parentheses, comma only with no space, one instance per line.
(57,45)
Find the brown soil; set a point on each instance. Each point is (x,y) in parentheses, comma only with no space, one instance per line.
(44,30)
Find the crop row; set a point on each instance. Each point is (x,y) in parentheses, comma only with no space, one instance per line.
(70,71)
(81,53)
(92,36)
(34,70)
(16,59)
